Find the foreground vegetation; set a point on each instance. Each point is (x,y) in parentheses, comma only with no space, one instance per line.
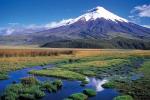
(60,73)
(117,68)
(14,59)
(117,65)
(139,88)
(30,89)
(124,97)
(82,96)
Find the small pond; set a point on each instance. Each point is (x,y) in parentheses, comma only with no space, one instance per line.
(69,87)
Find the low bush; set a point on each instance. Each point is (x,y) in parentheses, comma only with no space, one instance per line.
(78,96)
(30,89)
(123,97)
(26,97)
(39,94)
(89,92)
(58,83)
(83,83)
(3,76)
(29,81)
(109,85)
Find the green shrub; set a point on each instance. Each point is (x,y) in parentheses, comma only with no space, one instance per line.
(15,88)
(46,85)
(83,83)
(109,85)
(3,76)
(30,89)
(11,96)
(29,81)
(39,94)
(54,88)
(58,83)
(89,92)
(26,97)
(78,96)
(123,97)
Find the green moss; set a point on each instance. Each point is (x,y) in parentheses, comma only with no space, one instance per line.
(145,69)
(30,89)
(39,94)
(89,92)
(123,97)
(26,97)
(57,83)
(3,76)
(67,99)
(78,96)
(138,89)
(83,83)
(57,72)
(109,85)
(29,81)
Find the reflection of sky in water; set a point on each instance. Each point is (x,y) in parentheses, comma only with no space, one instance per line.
(69,87)
(96,83)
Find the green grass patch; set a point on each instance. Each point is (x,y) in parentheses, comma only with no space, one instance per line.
(145,69)
(78,96)
(123,97)
(109,84)
(138,89)
(29,89)
(89,92)
(29,81)
(3,76)
(60,73)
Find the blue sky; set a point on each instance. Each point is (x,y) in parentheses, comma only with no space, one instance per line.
(40,12)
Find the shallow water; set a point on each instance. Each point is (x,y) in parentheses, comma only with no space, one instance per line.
(68,88)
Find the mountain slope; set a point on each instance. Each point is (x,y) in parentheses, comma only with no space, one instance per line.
(97,25)
(117,42)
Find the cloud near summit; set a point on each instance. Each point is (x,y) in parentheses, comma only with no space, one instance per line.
(142,11)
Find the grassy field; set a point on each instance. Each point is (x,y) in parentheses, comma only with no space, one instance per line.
(14,59)
(138,89)
(75,64)
(57,72)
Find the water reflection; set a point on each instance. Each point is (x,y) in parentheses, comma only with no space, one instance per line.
(97,83)
(68,88)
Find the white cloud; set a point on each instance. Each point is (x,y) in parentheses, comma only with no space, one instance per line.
(58,24)
(20,28)
(9,31)
(13,24)
(142,11)
(134,19)
(147,26)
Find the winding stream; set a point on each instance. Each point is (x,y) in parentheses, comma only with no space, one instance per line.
(69,87)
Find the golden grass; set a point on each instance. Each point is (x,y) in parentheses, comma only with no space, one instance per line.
(14,63)
(112,52)
(32,52)
(20,58)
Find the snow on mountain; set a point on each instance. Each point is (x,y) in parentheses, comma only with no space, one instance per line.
(93,14)
(100,12)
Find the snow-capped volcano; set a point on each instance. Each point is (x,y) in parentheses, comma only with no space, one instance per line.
(93,14)
(100,12)
(98,27)
(97,23)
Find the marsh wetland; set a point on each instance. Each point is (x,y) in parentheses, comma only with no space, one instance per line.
(74,74)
